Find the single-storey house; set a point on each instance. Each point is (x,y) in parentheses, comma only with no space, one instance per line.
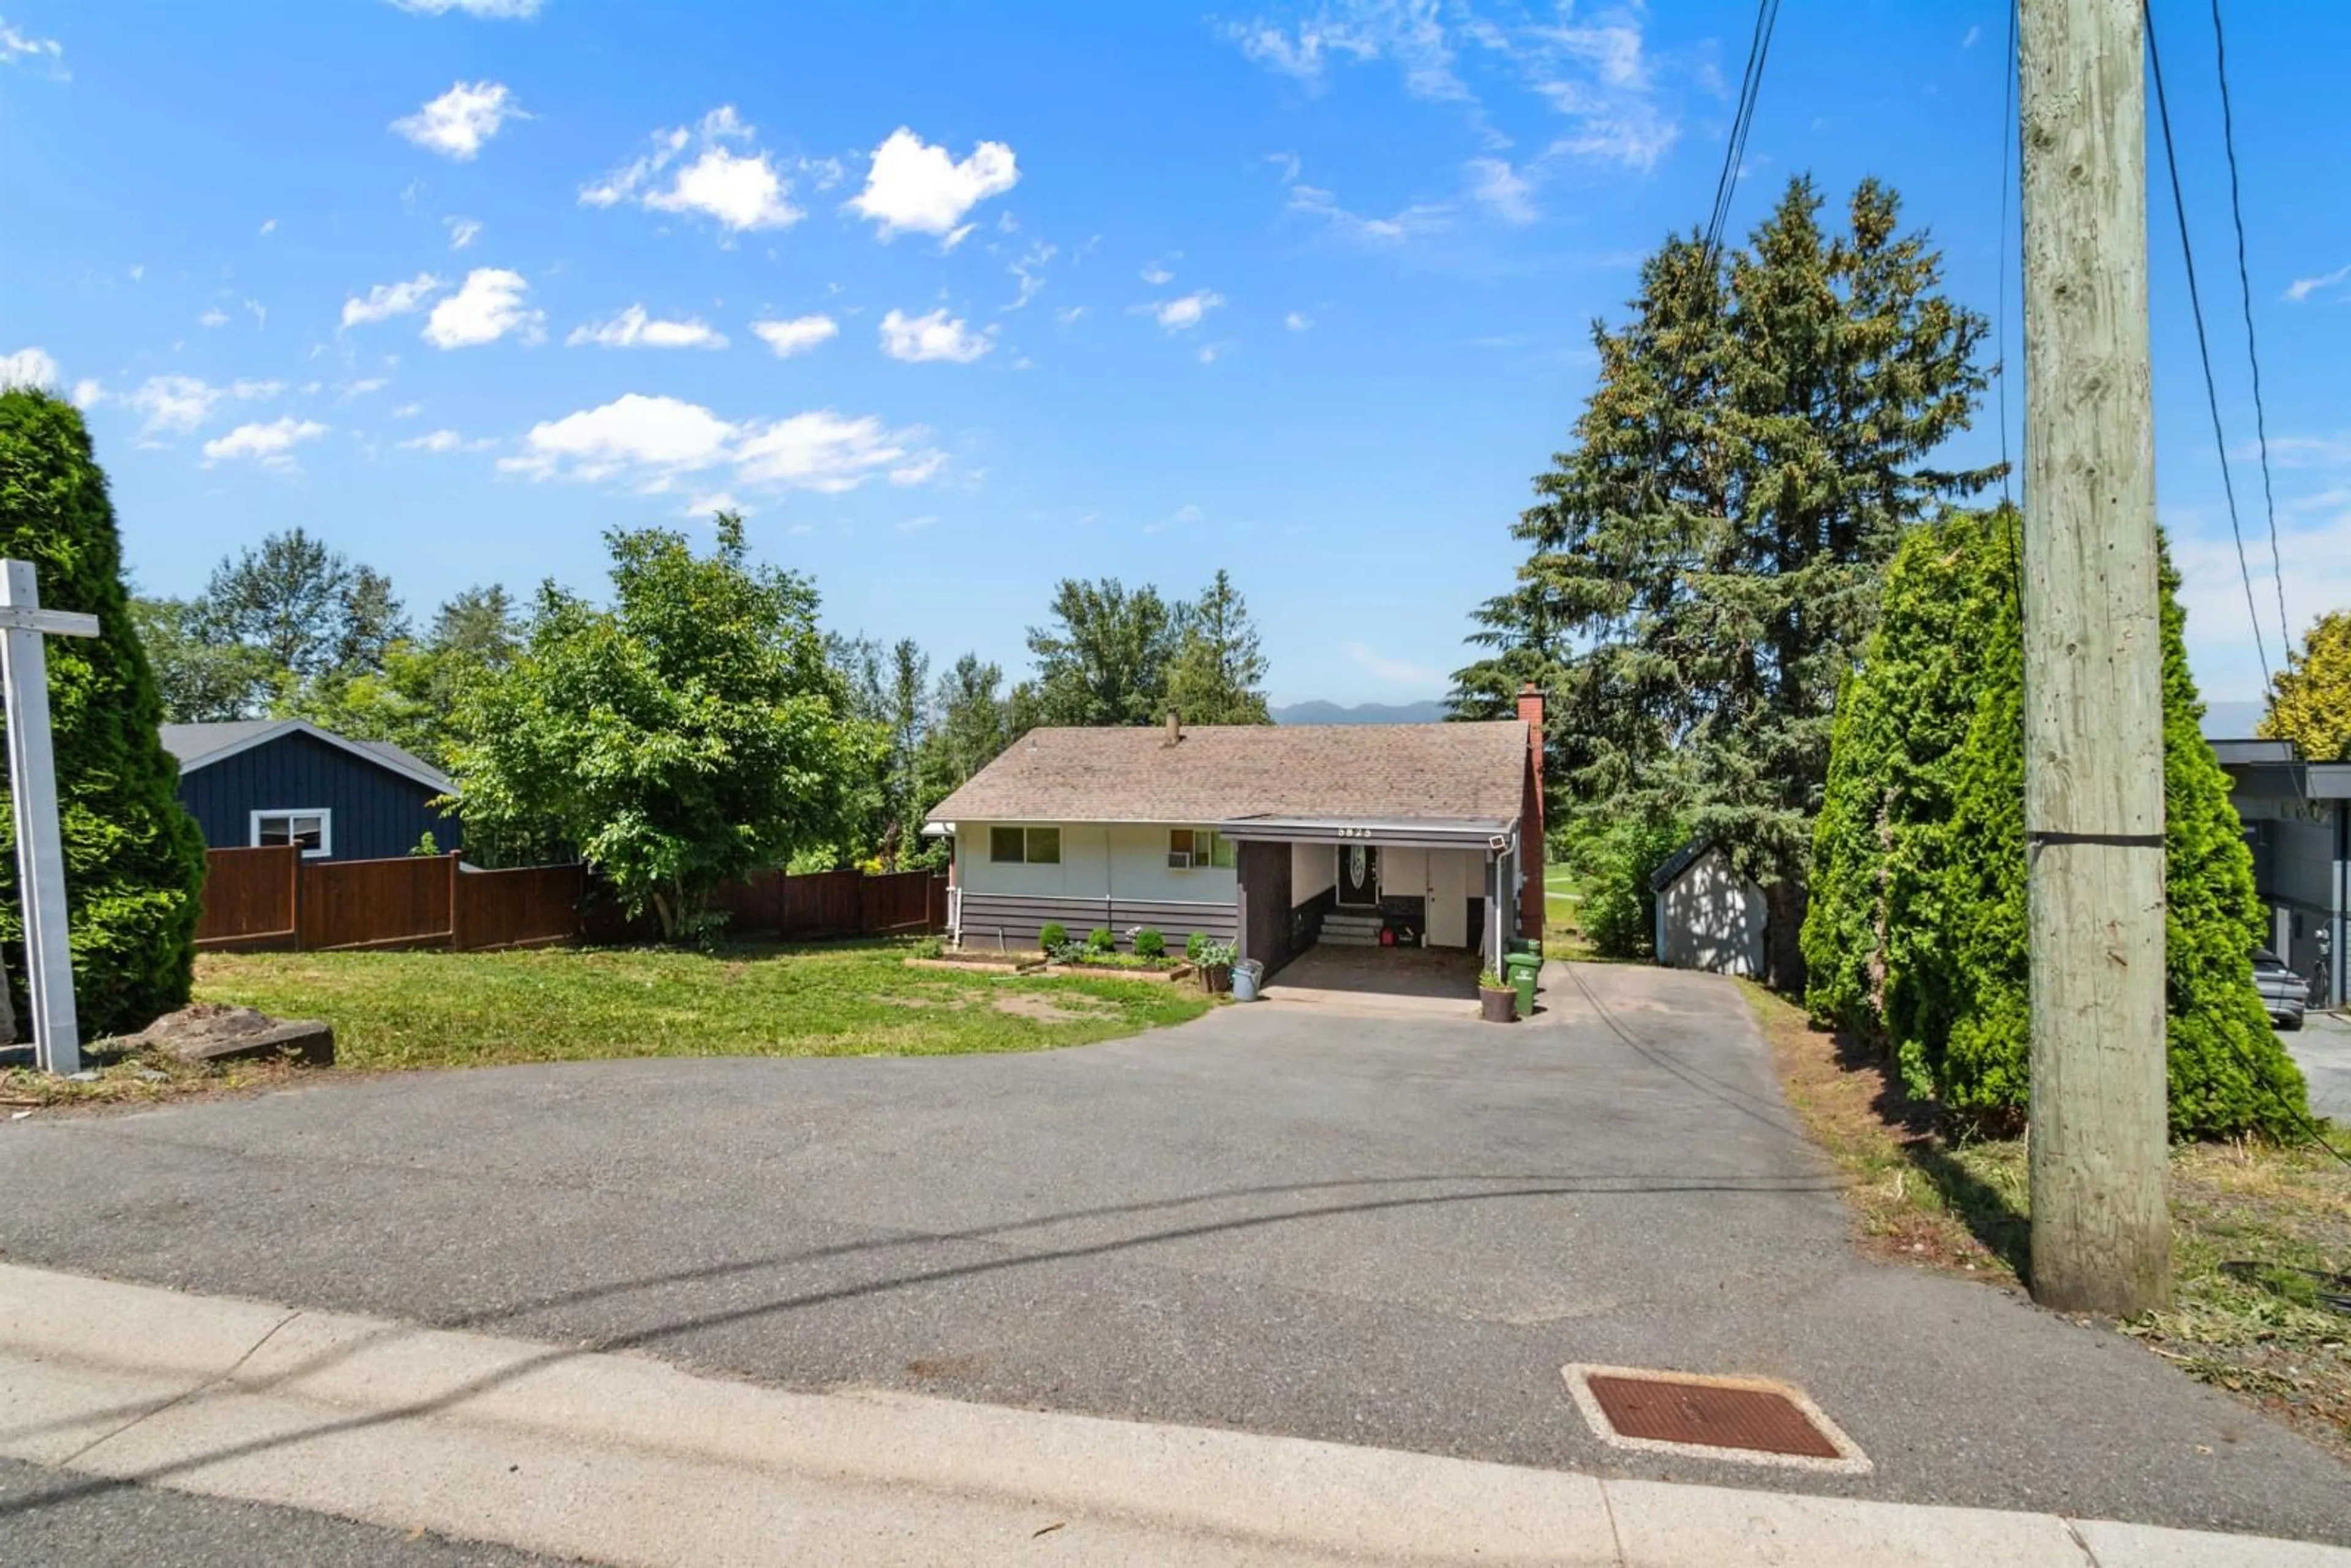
(1708,915)
(286,781)
(1271,837)
(2297,816)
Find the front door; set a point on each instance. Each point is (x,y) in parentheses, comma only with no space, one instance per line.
(1359,875)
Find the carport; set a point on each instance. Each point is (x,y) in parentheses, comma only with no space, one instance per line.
(1328,886)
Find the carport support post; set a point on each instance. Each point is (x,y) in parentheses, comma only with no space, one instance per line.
(2092,670)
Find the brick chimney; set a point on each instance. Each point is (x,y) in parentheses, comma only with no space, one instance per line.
(1530,814)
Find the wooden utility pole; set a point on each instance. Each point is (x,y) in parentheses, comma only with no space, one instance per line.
(2093,669)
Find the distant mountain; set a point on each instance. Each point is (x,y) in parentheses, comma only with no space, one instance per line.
(1320,712)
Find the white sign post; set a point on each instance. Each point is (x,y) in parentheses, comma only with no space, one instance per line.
(33,791)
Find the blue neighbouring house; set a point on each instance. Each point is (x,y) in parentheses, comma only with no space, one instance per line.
(285,780)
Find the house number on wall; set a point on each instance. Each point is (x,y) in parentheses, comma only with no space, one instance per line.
(1354,832)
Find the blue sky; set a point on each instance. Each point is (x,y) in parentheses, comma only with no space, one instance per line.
(957,301)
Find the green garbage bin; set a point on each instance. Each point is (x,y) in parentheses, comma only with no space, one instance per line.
(1520,970)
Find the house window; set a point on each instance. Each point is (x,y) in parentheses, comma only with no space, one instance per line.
(1024,846)
(1189,848)
(312,831)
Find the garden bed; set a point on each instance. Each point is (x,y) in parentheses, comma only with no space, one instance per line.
(1162,973)
(987,963)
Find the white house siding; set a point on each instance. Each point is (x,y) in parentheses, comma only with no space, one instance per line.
(1709,917)
(1313,870)
(1112,874)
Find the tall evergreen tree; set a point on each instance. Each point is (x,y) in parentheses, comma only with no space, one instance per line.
(1104,659)
(969,727)
(1918,933)
(134,867)
(305,605)
(1219,673)
(909,722)
(1705,559)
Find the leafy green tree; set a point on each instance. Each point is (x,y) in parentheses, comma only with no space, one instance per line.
(1218,675)
(1704,559)
(1918,935)
(200,680)
(690,732)
(410,695)
(2310,699)
(304,605)
(1104,660)
(970,728)
(134,867)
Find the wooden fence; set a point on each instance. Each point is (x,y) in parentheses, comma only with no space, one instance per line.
(270,899)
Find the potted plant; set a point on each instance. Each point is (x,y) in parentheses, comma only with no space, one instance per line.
(1497,1001)
(1215,962)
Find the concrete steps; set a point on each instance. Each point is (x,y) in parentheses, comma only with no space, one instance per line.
(1349,929)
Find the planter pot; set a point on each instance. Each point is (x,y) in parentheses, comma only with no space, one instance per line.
(1498,1007)
(1216,978)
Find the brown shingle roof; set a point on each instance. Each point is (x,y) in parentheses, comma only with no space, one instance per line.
(1217,772)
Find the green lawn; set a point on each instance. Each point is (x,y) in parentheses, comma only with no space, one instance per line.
(454,1010)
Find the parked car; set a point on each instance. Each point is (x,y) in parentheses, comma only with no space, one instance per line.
(2283,992)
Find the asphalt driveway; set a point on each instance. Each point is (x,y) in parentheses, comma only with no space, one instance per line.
(1391,1232)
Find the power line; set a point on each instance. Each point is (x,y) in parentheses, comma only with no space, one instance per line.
(1734,151)
(2000,249)
(2252,355)
(2203,347)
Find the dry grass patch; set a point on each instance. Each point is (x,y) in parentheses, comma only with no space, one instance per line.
(2259,1230)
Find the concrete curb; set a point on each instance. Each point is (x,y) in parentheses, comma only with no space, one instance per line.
(621,1458)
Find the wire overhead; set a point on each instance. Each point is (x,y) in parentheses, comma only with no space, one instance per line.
(2203,346)
(1999,251)
(2253,354)
(1734,151)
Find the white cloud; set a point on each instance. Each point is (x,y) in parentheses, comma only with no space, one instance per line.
(742,192)
(1211,352)
(1069,313)
(386,301)
(917,525)
(1300,55)
(270,445)
(15,46)
(1029,269)
(457,123)
(1155,275)
(486,308)
(797,335)
(408,411)
(446,440)
(176,405)
(915,188)
(632,329)
(1395,671)
(489,10)
(463,232)
(2212,590)
(1298,321)
(920,469)
(364,385)
(1503,190)
(1186,311)
(1420,218)
(215,317)
(268,226)
(1969,41)
(88,392)
(29,368)
(915,339)
(259,312)
(703,506)
(651,441)
(2301,289)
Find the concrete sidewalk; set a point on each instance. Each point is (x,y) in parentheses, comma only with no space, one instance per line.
(624,1459)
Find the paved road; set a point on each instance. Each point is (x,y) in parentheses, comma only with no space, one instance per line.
(1380,1231)
(58,1518)
(2322,1046)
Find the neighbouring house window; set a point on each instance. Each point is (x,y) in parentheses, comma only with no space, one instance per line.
(312,831)
(1189,848)
(1024,846)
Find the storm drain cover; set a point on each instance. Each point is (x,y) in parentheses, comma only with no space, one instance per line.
(1737,1418)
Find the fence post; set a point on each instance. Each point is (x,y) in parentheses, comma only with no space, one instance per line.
(456,921)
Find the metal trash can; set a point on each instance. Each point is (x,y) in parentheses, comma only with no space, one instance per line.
(1246,973)
(1520,970)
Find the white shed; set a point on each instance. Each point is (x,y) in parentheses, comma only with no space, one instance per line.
(1708,916)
